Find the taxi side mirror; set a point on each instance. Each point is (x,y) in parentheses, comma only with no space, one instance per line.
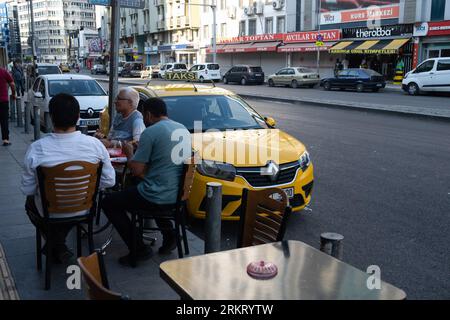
(270,121)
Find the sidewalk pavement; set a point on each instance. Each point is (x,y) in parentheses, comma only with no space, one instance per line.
(390,99)
(19,277)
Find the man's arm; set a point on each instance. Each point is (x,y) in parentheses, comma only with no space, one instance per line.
(138,169)
(29,179)
(13,89)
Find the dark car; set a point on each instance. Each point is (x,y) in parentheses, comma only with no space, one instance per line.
(359,79)
(244,74)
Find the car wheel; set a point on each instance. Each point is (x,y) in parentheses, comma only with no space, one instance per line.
(225,80)
(413,89)
(243,81)
(327,86)
(201,79)
(360,87)
(294,84)
(271,84)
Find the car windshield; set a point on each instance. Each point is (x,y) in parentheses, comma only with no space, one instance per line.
(255,69)
(305,70)
(214,112)
(42,70)
(79,87)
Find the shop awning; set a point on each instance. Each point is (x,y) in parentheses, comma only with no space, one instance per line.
(304,47)
(369,46)
(245,47)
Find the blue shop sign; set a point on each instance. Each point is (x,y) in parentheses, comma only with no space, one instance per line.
(175,47)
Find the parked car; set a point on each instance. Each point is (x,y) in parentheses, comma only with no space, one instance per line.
(206,71)
(359,79)
(119,67)
(89,93)
(430,75)
(150,72)
(244,74)
(132,69)
(294,77)
(42,69)
(245,130)
(171,67)
(98,69)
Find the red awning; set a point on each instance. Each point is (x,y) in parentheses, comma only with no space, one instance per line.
(246,47)
(218,48)
(304,47)
(264,46)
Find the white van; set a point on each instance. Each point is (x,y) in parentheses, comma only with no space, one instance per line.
(207,71)
(432,75)
(171,67)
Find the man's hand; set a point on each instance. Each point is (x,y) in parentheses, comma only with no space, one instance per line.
(128,149)
(106,143)
(98,134)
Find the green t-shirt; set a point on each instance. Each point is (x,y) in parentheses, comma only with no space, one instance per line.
(163,147)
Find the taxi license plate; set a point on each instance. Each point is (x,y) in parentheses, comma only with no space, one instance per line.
(289,192)
(90,122)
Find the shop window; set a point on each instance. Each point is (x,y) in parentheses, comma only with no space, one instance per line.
(443,65)
(437,10)
(433,54)
(427,66)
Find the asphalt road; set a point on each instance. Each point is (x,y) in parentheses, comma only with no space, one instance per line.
(382,181)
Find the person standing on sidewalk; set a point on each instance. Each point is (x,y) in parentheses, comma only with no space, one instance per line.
(19,78)
(5,81)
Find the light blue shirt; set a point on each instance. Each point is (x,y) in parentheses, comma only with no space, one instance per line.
(163,147)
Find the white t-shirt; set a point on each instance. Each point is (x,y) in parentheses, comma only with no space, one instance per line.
(57,148)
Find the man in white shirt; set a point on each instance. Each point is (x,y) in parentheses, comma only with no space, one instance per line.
(65,144)
(128,123)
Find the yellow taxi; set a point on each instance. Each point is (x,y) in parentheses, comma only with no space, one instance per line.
(238,147)
(64,68)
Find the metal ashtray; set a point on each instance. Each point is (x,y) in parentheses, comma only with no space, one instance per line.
(262,270)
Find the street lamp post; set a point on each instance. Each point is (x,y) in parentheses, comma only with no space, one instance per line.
(33,47)
(318,33)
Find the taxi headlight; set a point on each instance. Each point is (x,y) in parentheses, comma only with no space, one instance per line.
(304,160)
(217,170)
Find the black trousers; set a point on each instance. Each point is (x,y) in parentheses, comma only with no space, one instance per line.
(116,205)
(4,119)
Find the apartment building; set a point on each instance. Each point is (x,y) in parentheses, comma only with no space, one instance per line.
(54,21)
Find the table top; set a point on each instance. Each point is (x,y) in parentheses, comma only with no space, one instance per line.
(304,273)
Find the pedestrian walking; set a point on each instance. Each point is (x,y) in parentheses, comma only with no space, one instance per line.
(337,67)
(5,80)
(19,77)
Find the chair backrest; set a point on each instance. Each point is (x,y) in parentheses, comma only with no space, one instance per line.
(69,187)
(263,219)
(187,179)
(95,279)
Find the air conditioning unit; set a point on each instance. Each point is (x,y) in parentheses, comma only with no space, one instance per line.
(155,36)
(231,12)
(278,4)
(249,11)
(258,7)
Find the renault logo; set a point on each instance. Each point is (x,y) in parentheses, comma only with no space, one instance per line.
(271,170)
(90,112)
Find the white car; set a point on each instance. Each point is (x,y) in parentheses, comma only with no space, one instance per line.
(206,71)
(171,67)
(432,75)
(119,68)
(90,95)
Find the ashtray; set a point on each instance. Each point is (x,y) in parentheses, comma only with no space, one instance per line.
(262,270)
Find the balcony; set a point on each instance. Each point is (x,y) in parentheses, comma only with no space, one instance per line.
(123,32)
(160,2)
(161,24)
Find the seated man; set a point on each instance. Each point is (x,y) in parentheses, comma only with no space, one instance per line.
(128,124)
(65,144)
(158,160)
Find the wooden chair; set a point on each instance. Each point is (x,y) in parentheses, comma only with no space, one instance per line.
(175,212)
(263,219)
(66,189)
(95,278)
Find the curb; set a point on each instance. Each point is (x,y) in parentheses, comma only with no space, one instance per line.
(8,289)
(400,109)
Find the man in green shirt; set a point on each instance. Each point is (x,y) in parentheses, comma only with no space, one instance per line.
(158,161)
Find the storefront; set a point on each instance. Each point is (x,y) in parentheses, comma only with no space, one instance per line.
(185,53)
(151,55)
(432,40)
(383,49)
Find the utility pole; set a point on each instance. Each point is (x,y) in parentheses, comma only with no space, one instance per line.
(318,33)
(114,57)
(33,47)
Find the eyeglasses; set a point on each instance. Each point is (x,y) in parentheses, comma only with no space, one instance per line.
(119,98)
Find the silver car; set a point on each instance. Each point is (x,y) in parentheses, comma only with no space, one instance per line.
(294,77)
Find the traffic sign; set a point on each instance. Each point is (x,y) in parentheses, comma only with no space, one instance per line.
(135,4)
(319,43)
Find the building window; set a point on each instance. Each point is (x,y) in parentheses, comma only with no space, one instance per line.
(281,25)
(251,27)
(223,30)
(437,10)
(242,28)
(269,25)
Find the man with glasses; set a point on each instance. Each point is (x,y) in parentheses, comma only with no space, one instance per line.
(128,124)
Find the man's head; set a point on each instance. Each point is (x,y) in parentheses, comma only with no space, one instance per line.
(154,109)
(64,110)
(127,101)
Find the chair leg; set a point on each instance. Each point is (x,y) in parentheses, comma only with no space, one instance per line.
(133,253)
(183,230)
(98,212)
(48,261)
(38,249)
(79,249)
(177,237)
(91,235)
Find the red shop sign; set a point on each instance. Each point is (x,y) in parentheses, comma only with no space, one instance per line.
(439,28)
(311,36)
